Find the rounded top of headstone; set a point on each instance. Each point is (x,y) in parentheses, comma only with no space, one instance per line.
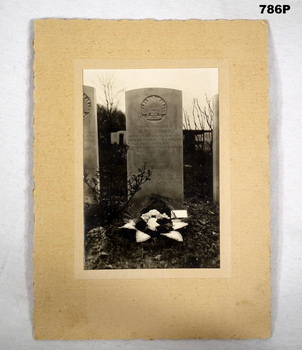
(154,89)
(153,103)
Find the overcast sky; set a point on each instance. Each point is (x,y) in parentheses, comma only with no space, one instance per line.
(193,82)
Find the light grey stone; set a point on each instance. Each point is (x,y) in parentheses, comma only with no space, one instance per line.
(216,149)
(155,136)
(90,140)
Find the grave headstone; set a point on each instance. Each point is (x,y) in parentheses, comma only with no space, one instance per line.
(215,105)
(155,137)
(122,137)
(90,140)
(113,137)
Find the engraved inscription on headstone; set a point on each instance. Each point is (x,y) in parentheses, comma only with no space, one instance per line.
(90,140)
(154,129)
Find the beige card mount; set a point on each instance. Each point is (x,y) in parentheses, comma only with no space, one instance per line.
(79,295)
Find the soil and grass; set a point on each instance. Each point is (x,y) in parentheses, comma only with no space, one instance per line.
(108,248)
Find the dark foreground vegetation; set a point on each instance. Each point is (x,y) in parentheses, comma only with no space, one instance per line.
(108,248)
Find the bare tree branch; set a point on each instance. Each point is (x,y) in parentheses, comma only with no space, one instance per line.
(202,118)
(110,95)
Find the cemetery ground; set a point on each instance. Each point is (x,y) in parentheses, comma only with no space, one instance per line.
(107,247)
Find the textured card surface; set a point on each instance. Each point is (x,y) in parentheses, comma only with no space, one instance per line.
(150,274)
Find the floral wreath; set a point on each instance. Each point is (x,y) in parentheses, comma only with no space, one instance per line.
(154,224)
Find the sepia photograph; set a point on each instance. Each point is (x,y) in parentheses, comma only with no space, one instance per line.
(151,169)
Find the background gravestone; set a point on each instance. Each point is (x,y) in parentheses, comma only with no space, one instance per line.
(155,136)
(216,148)
(90,140)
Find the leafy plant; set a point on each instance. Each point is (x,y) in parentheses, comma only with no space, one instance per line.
(114,203)
(135,183)
(94,184)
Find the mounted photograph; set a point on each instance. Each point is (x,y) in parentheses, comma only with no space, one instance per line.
(151,147)
(151,169)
